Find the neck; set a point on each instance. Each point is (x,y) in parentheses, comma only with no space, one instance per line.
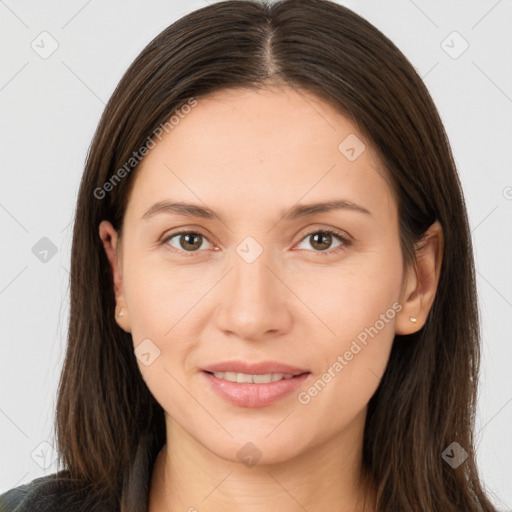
(189,477)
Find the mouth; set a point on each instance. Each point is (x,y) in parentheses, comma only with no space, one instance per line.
(254,388)
(254,369)
(245,378)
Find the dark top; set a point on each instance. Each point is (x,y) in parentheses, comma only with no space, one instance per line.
(57,493)
(50,493)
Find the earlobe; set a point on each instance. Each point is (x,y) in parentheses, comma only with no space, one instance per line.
(420,285)
(110,240)
(122,319)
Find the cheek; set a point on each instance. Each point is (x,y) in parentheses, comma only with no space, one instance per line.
(161,295)
(163,321)
(353,364)
(359,305)
(352,295)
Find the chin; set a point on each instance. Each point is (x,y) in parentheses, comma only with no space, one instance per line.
(256,449)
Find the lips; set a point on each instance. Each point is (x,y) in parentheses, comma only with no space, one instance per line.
(260,368)
(243,394)
(261,391)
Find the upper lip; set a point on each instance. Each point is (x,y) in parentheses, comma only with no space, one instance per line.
(260,368)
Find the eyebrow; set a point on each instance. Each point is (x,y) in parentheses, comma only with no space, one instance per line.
(297,211)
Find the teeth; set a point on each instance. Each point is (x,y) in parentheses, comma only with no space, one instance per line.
(242,377)
(252,379)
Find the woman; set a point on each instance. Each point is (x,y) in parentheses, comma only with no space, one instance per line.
(273,300)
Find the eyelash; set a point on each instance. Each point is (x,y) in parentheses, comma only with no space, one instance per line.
(345,241)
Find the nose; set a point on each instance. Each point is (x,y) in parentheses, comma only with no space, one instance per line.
(255,301)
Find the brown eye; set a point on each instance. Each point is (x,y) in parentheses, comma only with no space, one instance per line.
(187,241)
(322,240)
(190,241)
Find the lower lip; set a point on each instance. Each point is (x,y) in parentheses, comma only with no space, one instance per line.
(244,394)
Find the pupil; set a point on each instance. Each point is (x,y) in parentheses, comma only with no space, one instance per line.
(324,236)
(188,241)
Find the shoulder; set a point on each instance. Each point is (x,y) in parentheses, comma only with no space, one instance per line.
(51,493)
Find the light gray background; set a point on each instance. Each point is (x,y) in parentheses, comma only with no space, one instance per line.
(51,106)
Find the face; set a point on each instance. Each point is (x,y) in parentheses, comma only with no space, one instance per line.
(262,279)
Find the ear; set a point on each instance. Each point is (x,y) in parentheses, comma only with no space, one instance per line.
(420,283)
(110,240)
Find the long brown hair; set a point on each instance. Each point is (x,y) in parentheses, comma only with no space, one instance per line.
(426,398)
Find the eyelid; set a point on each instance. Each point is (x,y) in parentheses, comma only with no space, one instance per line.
(326,229)
(181,230)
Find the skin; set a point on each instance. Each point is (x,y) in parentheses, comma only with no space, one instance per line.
(250,156)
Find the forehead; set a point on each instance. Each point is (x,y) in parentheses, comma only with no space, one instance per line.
(255,149)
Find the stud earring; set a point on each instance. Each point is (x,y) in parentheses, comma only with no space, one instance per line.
(412,319)
(120,314)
